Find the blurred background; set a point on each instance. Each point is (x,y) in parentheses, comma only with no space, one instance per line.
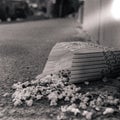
(13,9)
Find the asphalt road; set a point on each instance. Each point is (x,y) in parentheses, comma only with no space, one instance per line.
(25,46)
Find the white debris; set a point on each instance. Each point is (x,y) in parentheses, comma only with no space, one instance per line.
(6,94)
(108,111)
(86,83)
(17,103)
(56,87)
(72,108)
(17,85)
(119,108)
(61,116)
(97,108)
(39,97)
(53,97)
(83,106)
(105,79)
(87,115)
(29,102)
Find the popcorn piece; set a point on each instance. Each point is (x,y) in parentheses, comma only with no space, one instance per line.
(108,111)
(86,83)
(73,99)
(6,94)
(53,97)
(83,105)
(64,108)
(60,96)
(17,85)
(35,81)
(72,108)
(105,79)
(86,99)
(119,107)
(116,101)
(61,116)
(67,98)
(110,97)
(26,83)
(17,103)
(93,103)
(29,102)
(97,108)
(99,101)
(39,97)
(88,115)
(53,102)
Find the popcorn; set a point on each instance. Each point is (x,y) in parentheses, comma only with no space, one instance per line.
(39,97)
(26,83)
(99,101)
(53,97)
(88,115)
(67,98)
(108,111)
(29,102)
(17,103)
(17,85)
(119,107)
(97,108)
(86,83)
(72,108)
(61,116)
(6,95)
(56,87)
(60,96)
(86,99)
(83,105)
(64,108)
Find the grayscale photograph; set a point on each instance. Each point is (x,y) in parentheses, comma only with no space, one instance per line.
(59,60)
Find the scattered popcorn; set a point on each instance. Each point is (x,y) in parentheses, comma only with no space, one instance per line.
(108,111)
(56,87)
